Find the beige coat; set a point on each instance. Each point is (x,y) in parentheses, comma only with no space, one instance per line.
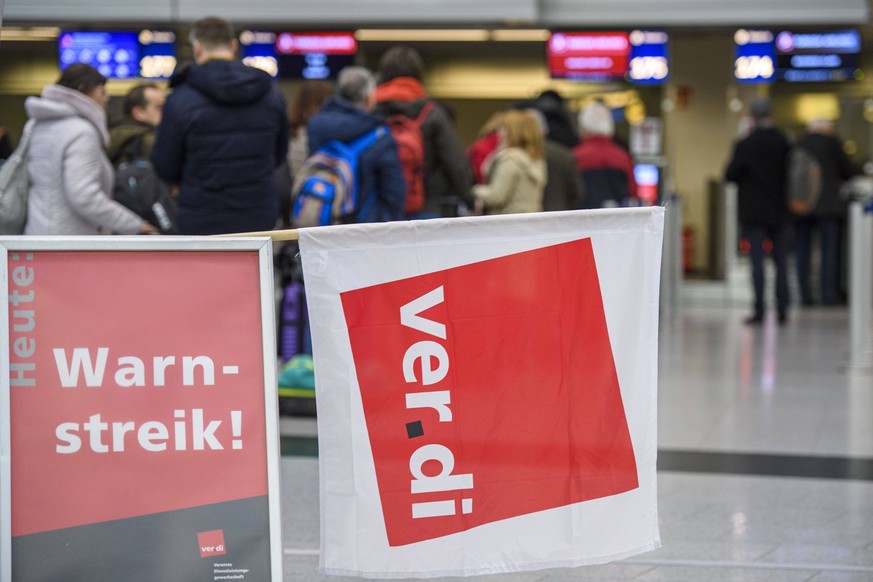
(515,183)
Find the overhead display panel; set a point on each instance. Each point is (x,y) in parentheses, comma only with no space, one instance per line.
(114,54)
(764,56)
(649,58)
(754,56)
(815,57)
(258,50)
(588,56)
(157,54)
(639,57)
(314,55)
(148,54)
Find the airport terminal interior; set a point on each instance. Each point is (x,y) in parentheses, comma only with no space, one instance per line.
(765,433)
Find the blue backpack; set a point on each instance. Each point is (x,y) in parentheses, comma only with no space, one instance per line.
(324,190)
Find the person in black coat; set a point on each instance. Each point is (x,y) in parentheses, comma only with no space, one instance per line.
(826,217)
(447,175)
(759,169)
(347,116)
(558,117)
(223,132)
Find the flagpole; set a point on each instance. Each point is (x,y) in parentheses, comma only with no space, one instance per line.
(276,235)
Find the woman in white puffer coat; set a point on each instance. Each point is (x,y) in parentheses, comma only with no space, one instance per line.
(70,176)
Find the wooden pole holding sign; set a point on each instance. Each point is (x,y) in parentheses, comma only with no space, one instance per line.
(276,235)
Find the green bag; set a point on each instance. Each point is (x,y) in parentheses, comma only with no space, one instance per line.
(298,375)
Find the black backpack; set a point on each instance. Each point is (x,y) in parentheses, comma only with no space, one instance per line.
(138,187)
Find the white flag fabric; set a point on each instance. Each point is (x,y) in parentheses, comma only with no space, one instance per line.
(486,391)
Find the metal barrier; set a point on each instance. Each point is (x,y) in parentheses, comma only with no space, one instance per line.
(861,285)
(671,258)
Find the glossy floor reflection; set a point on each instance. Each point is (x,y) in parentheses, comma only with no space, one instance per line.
(765,462)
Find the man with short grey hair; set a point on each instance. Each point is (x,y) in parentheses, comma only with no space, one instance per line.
(347,116)
(357,84)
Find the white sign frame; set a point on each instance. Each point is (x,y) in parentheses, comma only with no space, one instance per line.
(261,245)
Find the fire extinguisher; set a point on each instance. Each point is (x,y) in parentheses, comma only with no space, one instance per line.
(688,247)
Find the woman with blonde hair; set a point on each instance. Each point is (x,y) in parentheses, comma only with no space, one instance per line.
(517,174)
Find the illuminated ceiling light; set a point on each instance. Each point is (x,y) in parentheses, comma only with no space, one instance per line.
(520,35)
(35,33)
(425,35)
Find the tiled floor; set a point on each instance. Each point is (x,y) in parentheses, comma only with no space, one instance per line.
(781,393)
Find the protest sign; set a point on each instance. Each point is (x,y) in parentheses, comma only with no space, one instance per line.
(140,437)
(487,391)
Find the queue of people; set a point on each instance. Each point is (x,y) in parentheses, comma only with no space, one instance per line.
(223,135)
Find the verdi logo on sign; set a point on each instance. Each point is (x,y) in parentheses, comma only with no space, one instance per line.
(489,391)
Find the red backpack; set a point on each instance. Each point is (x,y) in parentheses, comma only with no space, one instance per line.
(410,150)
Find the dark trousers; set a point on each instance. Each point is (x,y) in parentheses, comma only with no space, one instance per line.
(756,234)
(829,245)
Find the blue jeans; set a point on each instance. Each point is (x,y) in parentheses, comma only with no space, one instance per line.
(756,234)
(829,245)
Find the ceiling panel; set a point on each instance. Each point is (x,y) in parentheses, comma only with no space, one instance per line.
(666,13)
(59,11)
(358,12)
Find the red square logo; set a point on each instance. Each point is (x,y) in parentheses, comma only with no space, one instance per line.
(211,543)
(489,391)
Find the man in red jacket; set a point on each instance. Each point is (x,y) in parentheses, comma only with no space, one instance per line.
(607,168)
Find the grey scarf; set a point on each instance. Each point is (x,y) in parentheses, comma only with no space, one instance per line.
(83,105)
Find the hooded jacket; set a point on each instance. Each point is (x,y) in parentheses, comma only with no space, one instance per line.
(561,129)
(70,177)
(223,131)
(380,183)
(607,172)
(128,140)
(515,183)
(447,175)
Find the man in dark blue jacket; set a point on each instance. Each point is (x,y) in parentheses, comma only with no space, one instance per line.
(347,116)
(224,130)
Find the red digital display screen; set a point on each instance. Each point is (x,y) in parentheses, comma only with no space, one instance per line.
(325,43)
(588,56)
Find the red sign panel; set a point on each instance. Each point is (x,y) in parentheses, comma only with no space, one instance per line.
(489,391)
(596,56)
(137,404)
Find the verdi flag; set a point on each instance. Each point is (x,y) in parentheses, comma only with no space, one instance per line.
(487,391)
